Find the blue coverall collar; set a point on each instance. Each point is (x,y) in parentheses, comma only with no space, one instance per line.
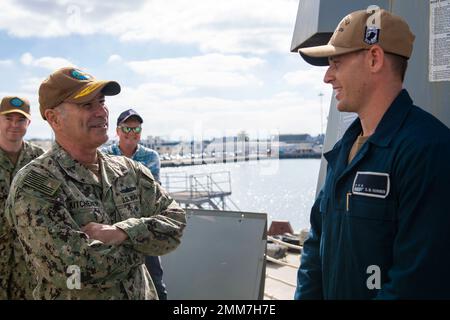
(389,125)
(392,120)
(345,143)
(385,131)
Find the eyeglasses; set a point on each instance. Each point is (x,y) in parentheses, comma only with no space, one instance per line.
(126,129)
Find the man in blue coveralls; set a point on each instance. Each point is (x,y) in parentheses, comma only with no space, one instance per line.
(380,226)
(129,128)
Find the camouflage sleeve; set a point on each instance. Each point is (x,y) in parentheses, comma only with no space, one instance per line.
(5,256)
(52,241)
(160,227)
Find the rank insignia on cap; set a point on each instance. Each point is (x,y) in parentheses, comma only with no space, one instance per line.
(16,102)
(371,35)
(79,75)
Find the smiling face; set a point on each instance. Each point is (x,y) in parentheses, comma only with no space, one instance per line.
(348,75)
(130,139)
(84,124)
(13,127)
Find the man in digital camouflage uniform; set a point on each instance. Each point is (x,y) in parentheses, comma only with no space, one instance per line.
(129,129)
(86,220)
(15,118)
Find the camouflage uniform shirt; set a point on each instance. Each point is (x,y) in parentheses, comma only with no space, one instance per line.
(53,197)
(8,285)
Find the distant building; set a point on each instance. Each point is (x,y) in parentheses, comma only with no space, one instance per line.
(283,146)
(167,147)
(239,146)
(300,138)
(299,146)
(295,138)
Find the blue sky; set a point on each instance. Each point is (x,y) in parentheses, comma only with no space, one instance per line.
(191,69)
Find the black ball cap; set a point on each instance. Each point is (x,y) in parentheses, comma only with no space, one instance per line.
(127,114)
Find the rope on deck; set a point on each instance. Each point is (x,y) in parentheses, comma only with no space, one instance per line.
(289,245)
(281,280)
(281,262)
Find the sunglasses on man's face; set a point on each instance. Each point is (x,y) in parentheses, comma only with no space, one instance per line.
(126,129)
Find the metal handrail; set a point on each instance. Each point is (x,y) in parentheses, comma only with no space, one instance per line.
(197,182)
(210,183)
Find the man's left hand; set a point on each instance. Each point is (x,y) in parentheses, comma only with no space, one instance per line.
(105,233)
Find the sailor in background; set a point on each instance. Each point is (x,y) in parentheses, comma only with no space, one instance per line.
(15,117)
(380,226)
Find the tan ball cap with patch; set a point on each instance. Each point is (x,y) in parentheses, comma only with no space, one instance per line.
(360,30)
(74,86)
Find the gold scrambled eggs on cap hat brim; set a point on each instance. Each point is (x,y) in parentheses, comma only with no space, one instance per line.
(91,89)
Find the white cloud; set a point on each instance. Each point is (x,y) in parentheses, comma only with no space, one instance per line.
(51,63)
(6,63)
(233,26)
(211,70)
(26,59)
(115,58)
(312,77)
(30,84)
(158,90)
(46,19)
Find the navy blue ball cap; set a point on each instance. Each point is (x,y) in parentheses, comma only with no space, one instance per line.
(124,116)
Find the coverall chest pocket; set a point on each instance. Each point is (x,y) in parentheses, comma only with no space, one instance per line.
(364,207)
(371,218)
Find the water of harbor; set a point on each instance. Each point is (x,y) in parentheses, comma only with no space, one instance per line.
(284,189)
